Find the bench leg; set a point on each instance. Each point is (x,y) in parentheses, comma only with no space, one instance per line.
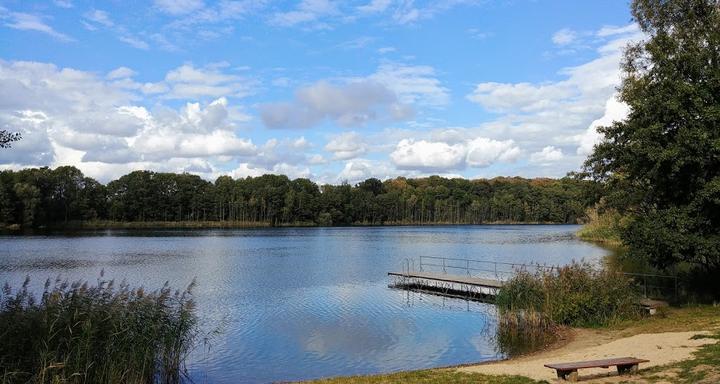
(627,369)
(567,375)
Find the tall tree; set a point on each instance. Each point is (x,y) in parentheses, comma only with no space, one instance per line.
(7,138)
(665,155)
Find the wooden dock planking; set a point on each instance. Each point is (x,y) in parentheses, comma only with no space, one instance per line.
(467,280)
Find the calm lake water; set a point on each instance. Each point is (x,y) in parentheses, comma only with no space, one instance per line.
(302,303)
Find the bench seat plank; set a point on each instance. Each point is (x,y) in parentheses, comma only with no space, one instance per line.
(595,363)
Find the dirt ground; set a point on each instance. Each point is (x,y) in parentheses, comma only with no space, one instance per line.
(659,348)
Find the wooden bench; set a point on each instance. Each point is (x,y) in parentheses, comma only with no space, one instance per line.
(568,371)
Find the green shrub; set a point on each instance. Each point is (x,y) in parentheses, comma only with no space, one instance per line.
(80,333)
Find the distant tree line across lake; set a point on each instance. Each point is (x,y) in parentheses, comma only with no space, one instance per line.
(40,197)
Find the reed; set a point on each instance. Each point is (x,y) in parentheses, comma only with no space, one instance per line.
(574,295)
(102,333)
(524,331)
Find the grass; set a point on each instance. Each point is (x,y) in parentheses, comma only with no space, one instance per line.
(432,376)
(689,318)
(102,333)
(704,367)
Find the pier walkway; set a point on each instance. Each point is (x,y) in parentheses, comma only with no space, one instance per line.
(482,279)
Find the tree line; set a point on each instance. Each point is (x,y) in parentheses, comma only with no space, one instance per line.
(38,197)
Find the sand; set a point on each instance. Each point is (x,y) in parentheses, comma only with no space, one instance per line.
(659,348)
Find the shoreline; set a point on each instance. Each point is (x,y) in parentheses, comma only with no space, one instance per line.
(100,225)
(669,342)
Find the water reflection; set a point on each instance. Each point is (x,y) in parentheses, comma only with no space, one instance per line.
(300,303)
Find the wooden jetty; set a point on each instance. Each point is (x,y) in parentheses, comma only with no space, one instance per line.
(482,279)
(466,287)
(466,280)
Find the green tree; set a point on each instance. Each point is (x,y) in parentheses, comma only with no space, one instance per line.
(7,138)
(665,156)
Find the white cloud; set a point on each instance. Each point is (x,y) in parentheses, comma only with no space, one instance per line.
(347,146)
(179,7)
(351,104)
(483,152)
(307,11)
(614,111)
(120,73)
(413,84)
(188,82)
(564,36)
(375,6)
(427,155)
(100,17)
(357,170)
(610,30)
(29,22)
(134,42)
(556,113)
(548,155)
(63,3)
(384,50)
(74,117)
(291,171)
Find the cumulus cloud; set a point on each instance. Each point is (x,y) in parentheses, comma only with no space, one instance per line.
(120,73)
(614,111)
(351,104)
(427,155)
(74,117)
(548,155)
(291,171)
(558,113)
(483,152)
(357,170)
(346,146)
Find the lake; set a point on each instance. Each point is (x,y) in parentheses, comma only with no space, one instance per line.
(303,303)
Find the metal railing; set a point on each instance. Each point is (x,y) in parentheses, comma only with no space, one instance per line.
(471,267)
(650,284)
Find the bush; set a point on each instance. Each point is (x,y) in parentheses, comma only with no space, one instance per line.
(575,295)
(80,333)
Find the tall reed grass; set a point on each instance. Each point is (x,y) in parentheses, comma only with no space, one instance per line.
(575,295)
(103,333)
(523,331)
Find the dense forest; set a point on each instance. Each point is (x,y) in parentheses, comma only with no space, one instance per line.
(41,197)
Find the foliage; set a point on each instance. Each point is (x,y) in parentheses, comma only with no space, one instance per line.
(80,333)
(605,227)
(663,161)
(575,295)
(40,196)
(7,138)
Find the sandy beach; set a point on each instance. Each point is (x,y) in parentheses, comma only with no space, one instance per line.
(659,348)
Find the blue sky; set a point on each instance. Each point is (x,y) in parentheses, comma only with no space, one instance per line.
(333,91)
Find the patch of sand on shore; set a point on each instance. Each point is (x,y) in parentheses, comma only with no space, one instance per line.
(659,348)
